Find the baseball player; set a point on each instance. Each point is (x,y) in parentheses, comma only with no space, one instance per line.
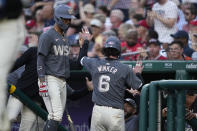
(53,65)
(110,78)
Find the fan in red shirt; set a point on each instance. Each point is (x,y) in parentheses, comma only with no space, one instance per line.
(154,47)
(131,45)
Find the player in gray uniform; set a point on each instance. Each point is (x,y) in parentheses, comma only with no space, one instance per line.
(110,79)
(53,66)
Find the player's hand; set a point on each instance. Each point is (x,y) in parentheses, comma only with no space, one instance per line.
(138,67)
(85,34)
(133,92)
(164,112)
(89,84)
(43,90)
(189,115)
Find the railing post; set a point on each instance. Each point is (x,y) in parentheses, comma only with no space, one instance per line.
(180,106)
(143,120)
(153,106)
(159,103)
(170,111)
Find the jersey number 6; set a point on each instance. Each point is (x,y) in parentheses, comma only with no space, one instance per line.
(103,85)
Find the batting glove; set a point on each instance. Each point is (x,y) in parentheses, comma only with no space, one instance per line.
(43,91)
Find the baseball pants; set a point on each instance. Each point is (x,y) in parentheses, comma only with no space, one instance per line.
(56,101)
(29,120)
(12,35)
(107,119)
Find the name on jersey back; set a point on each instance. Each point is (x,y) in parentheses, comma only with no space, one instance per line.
(104,68)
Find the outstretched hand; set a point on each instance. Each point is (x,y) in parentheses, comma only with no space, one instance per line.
(138,67)
(84,35)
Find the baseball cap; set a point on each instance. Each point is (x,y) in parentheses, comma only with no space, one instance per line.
(180,34)
(131,102)
(154,41)
(143,23)
(30,24)
(89,8)
(194,22)
(96,22)
(64,11)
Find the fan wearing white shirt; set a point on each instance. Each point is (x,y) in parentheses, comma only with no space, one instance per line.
(164,16)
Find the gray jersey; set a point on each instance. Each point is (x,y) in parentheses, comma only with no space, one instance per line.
(55,48)
(110,79)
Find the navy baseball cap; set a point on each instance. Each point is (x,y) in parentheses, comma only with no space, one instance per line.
(180,34)
(64,11)
(131,102)
(154,41)
(113,42)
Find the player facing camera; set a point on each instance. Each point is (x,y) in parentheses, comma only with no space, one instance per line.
(62,16)
(112,47)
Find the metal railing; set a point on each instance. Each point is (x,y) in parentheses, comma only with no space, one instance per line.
(149,104)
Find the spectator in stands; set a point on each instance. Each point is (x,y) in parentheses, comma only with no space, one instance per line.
(86,12)
(152,34)
(131,14)
(154,47)
(131,119)
(184,38)
(122,30)
(190,14)
(142,32)
(164,16)
(122,5)
(194,42)
(116,19)
(106,12)
(137,18)
(176,51)
(96,29)
(47,15)
(131,44)
(193,31)
(102,18)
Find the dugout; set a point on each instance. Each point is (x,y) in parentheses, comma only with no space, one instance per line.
(80,110)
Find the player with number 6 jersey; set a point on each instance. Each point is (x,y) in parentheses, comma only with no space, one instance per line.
(110,79)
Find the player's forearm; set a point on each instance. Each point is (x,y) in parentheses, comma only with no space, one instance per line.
(83,51)
(41,67)
(140,77)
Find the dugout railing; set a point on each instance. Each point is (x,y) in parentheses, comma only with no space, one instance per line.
(150,105)
(153,70)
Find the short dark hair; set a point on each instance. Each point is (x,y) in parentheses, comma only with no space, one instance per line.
(177,42)
(111,52)
(153,34)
